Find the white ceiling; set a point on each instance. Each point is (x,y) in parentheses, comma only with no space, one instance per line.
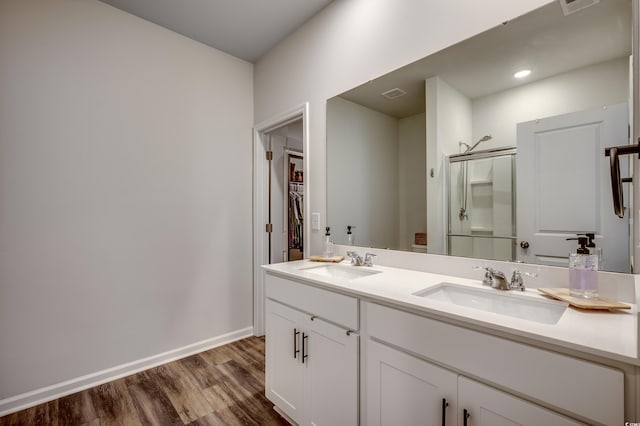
(544,40)
(246,29)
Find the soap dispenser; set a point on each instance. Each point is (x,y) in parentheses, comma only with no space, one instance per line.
(349,235)
(583,271)
(328,243)
(591,245)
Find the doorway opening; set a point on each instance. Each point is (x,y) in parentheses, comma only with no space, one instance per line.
(280,197)
(285,193)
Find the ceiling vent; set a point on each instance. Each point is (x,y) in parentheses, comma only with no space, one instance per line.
(393,93)
(572,6)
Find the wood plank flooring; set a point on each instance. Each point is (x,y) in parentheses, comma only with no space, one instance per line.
(222,386)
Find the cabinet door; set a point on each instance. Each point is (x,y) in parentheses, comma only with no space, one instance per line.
(284,379)
(332,374)
(488,406)
(404,390)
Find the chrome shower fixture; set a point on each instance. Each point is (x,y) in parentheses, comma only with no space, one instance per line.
(465,144)
(482,139)
(462,213)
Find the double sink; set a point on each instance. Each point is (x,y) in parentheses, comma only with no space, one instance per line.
(506,303)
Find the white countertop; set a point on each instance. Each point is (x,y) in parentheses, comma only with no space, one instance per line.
(612,335)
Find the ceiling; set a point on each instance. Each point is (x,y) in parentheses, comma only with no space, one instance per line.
(544,40)
(246,29)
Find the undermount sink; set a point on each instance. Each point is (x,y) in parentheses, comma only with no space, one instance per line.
(341,271)
(503,303)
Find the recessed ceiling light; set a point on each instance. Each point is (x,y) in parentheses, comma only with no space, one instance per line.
(522,73)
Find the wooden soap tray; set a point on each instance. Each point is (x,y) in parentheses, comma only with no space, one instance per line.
(334,259)
(598,304)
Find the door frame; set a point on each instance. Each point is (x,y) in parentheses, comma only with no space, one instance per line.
(635,134)
(260,213)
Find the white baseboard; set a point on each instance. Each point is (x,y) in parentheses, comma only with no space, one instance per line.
(283,415)
(48,393)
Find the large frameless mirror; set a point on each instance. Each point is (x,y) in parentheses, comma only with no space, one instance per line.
(422,150)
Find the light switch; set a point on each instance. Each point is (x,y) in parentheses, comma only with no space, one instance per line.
(315,221)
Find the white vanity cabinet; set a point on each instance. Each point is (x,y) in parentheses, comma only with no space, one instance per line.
(311,353)
(284,369)
(413,363)
(405,390)
(486,406)
(346,356)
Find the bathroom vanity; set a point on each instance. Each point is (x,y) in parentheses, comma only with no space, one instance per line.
(353,345)
(419,340)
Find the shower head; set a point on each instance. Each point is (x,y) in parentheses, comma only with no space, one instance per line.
(482,139)
(465,144)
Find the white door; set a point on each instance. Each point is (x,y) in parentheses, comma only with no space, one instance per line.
(404,390)
(284,379)
(332,375)
(279,197)
(486,406)
(564,186)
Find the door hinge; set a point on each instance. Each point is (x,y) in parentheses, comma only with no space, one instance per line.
(269,155)
(269,228)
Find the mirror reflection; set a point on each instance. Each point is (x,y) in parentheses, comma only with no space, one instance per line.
(482,208)
(492,148)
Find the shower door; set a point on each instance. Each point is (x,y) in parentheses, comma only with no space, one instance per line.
(482,205)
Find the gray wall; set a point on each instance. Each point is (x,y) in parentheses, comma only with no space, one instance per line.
(363,174)
(125,192)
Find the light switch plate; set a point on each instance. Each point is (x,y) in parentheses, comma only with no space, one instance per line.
(315,221)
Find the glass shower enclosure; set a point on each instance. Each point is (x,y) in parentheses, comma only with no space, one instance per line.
(482,204)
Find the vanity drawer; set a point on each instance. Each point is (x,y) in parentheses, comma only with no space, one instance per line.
(580,387)
(333,307)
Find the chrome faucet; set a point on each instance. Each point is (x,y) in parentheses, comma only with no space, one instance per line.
(356,260)
(517,282)
(498,280)
(368,259)
(495,279)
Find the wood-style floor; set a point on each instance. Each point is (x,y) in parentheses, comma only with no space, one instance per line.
(222,386)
